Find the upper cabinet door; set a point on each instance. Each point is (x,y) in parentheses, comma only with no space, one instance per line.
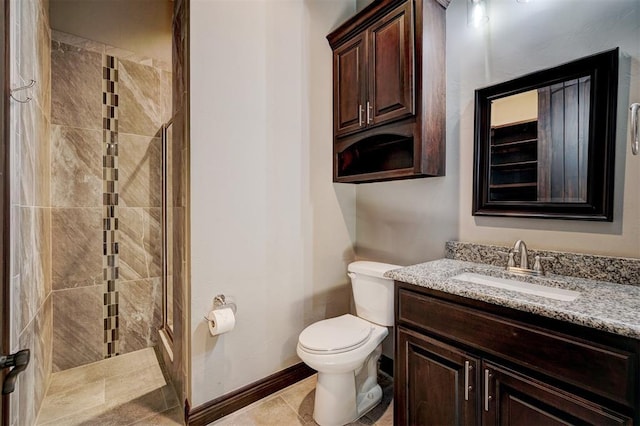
(349,89)
(391,85)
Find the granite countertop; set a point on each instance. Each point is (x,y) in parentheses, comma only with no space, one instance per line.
(602,305)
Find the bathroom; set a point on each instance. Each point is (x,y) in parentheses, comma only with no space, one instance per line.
(270,229)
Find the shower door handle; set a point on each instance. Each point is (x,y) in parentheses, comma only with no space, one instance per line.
(19,362)
(634,127)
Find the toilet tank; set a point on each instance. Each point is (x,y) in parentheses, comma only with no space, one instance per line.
(372,293)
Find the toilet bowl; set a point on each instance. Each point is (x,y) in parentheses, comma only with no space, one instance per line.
(345,349)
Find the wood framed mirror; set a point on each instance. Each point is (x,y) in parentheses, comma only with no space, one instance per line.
(545,142)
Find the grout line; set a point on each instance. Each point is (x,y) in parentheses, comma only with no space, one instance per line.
(74,288)
(268,398)
(290,388)
(294,410)
(138,421)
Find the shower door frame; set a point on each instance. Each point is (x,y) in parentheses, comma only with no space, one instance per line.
(165,229)
(5,204)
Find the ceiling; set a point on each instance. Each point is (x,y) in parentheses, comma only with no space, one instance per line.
(141,26)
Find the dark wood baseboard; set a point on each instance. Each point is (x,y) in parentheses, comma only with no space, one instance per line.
(227,404)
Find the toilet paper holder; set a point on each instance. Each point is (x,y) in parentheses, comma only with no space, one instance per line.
(220,302)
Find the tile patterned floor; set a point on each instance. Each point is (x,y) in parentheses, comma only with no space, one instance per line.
(294,406)
(131,389)
(124,390)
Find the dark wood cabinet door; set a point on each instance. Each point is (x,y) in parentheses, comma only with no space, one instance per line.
(349,88)
(436,383)
(509,398)
(391,66)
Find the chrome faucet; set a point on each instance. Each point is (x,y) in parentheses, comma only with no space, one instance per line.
(521,248)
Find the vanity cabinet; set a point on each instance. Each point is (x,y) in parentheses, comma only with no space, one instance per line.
(461,361)
(388,92)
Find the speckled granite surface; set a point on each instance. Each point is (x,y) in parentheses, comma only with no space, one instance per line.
(603,268)
(602,305)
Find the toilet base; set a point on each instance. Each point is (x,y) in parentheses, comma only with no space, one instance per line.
(345,397)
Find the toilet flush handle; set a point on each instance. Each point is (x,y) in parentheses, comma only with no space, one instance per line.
(351,275)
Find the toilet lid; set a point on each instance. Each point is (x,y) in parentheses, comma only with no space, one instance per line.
(334,335)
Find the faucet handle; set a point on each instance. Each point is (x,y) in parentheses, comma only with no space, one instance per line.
(510,254)
(537,265)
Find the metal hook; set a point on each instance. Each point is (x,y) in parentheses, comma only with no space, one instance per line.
(634,127)
(28,86)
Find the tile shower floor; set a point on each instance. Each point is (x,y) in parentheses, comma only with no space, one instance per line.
(123,390)
(294,406)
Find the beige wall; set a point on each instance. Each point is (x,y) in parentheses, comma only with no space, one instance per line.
(268,227)
(408,222)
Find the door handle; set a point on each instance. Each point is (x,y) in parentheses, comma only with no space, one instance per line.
(19,362)
(369,112)
(360,112)
(487,397)
(634,127)
(467,387)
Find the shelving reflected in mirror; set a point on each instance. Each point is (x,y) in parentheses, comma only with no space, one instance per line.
(540,144)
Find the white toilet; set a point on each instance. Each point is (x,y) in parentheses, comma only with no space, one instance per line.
(345,350)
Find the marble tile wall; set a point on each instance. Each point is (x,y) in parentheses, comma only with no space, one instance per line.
(30,251)
(77,186)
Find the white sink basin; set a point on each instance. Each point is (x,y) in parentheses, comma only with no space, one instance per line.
(522,287)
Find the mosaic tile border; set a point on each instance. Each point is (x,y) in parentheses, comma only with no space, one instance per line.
(110,204)
(595,267)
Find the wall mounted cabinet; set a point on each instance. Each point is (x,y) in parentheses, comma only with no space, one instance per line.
(389,92)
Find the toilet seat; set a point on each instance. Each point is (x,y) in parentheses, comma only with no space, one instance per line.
(335,335)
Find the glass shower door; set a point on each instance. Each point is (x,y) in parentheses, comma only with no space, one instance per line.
(167,234)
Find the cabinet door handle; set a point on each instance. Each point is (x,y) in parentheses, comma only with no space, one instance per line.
(487,397)
(360,112)
(466,380)
(369,114)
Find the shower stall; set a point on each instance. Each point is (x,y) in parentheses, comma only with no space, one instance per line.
(97,184)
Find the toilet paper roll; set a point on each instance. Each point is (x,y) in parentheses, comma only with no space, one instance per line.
(221,321)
